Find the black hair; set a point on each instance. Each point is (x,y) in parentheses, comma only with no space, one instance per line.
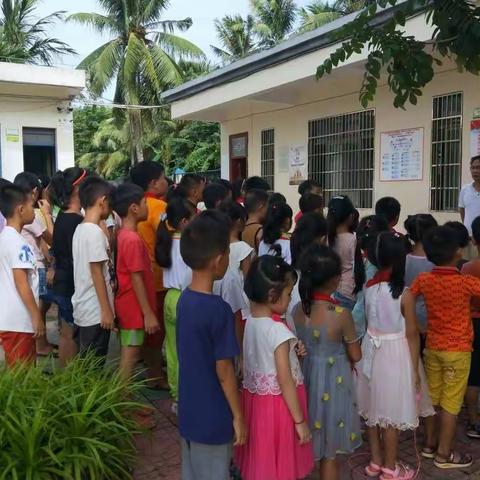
(27,181)
(255,199)
(476,230)
(417,226)
(93,188)
(225,183)
(233,210)
(214,194)
(204,238)
(267,278)
(44,181)
(257,183)
(339,210)
(275,197)
(124,196)
(318,266)
(172,193)
(145,172)
(389,207)
(308,230)
(310,202)
(277,214)
(441,245)
(188,182)
(178,209)
(307,186)
(11,196)
(63,184)
(474,159)
(463,237)
(389,251)
(4,181)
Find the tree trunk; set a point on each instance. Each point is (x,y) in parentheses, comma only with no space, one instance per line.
(136,134)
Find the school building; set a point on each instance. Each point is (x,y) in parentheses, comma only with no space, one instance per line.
(36,118)
(280,122)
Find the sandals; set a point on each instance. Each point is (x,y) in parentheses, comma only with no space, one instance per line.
(428,452)
(401,472)
(373,470)
(455,460)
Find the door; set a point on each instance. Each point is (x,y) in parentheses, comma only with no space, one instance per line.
(39,151)
(238,157)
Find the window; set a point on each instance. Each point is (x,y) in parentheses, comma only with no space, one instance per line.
(446,152)
(267,156)
(341,155)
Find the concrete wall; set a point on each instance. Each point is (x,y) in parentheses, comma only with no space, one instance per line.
(291,128)
(16,113)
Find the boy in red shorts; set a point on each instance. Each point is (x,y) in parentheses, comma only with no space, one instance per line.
(20,318)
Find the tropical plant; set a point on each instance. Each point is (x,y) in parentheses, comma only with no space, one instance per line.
(23,36)
(408,62)
(86,122)
(236,35)
(274,20)
(141,58)
(75,424)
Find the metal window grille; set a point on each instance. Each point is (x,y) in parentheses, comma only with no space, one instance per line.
(446,152)
(267,156)
(341,155)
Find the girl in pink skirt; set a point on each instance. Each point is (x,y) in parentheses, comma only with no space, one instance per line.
(274,399)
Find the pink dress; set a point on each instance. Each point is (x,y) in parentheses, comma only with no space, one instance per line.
(273,450)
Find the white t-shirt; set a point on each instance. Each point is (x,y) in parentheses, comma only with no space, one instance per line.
(470,201)
(231,290)
(15,253)
(179,275)
(90,245)
(283,242)
(33,235)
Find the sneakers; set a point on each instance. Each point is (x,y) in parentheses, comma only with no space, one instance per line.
(473,430)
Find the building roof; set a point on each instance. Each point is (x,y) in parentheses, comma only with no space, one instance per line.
(283,52)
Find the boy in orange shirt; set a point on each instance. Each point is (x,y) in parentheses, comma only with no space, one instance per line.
(448,354)
(150,176)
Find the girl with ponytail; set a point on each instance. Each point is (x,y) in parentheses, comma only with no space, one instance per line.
(328,333)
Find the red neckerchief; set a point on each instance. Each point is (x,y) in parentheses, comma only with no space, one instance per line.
(379,277)
(151,195)
(322,297)
(277,318)
(446,271)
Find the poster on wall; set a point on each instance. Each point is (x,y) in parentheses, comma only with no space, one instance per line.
(401,155)
(298,167)
(12,135)
(475,138)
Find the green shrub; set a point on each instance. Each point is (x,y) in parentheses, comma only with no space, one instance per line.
(76,424)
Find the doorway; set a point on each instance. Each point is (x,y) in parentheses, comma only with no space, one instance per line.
(39,151)
(238,156)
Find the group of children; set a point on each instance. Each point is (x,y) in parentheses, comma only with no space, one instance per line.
(341,320)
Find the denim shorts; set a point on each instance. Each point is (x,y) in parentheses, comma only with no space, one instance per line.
(42,282)
(64,304)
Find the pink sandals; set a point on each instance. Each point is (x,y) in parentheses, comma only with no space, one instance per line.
(401,472)
(373,470)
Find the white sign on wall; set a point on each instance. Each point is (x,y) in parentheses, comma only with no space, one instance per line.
(298,166)
(475,138)
(401,155)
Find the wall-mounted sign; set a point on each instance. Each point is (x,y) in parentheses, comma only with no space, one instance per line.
(475,138)
(12,135)
(298,165)
(239,146)
(401,155)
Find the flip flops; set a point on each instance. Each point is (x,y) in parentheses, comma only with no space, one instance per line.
(455,460)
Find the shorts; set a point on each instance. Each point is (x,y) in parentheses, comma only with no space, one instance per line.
(132,338)
(42,282)
(205,462)
(19,347)
(64,304)
(474,377)
(447,377)
(93,339)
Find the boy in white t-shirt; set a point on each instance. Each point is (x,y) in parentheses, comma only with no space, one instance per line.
(93,298)
(20,318)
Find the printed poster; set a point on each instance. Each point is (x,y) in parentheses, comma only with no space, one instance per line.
(475,138)
(298,166)
(401,157)
(12,135)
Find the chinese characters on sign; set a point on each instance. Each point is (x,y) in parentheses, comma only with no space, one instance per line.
(298,164)
(401,155)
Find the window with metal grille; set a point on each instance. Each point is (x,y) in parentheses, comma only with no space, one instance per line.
(267,156)
(341,155)
(446,152)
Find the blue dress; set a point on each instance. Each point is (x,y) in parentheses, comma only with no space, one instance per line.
(332,408)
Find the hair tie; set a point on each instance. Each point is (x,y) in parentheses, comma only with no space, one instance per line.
(80,178)
(169,227)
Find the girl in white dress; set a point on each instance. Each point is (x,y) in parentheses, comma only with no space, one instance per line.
(391,385)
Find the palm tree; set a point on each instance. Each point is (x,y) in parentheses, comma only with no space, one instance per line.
(320,12)
(236,35)
(142,57)
(23,37)
(275,20)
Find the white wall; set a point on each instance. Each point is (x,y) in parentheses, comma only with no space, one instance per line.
(16,113)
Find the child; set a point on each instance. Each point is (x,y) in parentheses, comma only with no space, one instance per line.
(135,302)
(276,240)
(93,298)
(191,187)
(150,177)
(64,192)
(214,194)
(390,377)
(210,415)
(449,343)
(463,239)
(471,397)
(389,208)
(256,183)
(20,318)
(328,334)
(176,277)
(274,397)
(307,187)
(256,204)
(340,218)
(310,202)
